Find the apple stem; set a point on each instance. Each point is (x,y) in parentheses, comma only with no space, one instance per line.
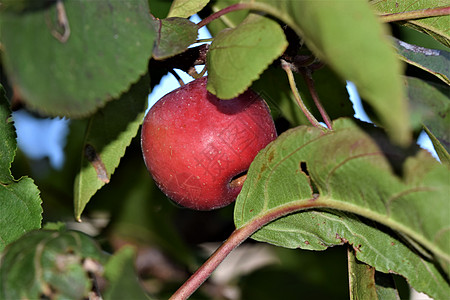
(195,75)
(310,83)
(238,182)
(237,237)
(180,81)
(287,68)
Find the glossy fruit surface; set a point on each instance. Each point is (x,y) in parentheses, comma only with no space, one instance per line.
(194,144)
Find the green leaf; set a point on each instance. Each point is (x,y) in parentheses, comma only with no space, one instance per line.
(8,143)
(349,38)
(238,56)
(49,264)
(437,27)
(442,153)
(361,279)
(229,20)
(122,277)
(175,35)
(366,283)
(436,62)
(20,204)
(108,135)
(186,8)
(20,209)
(351,173)
(430,106)
(108,49)
(386,289)
(142,218)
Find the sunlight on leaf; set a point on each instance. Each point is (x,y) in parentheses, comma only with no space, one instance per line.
(238,56)
(186,8)
(351,172)
(435,62)
(109,133)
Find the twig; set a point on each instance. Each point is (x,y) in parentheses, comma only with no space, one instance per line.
(310,83)
(218,14)
(178,78)
(287,68)
(236,238)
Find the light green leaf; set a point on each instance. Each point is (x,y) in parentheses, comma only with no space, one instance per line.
(437,27)
(436,62)
(350,172)
(108,49)
(108,135)
(175,35)
(186,8)
(122,277)
(349,38)
(20,204)
(238,56)
(50,264)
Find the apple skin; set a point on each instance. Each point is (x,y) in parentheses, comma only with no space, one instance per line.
(193,143)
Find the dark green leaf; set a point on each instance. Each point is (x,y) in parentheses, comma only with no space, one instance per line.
(50,264)
(430,106)
(108,49)
(238,56)
(351,173)
(437,27)
(175,35)
(186,8)
(436,62)
(108,135)
(122,277)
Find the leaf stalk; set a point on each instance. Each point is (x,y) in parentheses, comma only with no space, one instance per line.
(287,68)
(416,14)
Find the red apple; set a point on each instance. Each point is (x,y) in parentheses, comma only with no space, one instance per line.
(195,144)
